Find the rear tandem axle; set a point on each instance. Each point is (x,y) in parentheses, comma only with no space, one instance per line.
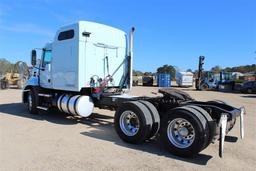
(186,126)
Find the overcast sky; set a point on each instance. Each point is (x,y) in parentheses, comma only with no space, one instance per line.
(173,32)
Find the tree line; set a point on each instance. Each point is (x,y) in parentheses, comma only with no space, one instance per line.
(7,67)
(169,69)
(242,69)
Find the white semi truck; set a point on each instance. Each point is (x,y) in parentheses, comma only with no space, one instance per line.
(90,65)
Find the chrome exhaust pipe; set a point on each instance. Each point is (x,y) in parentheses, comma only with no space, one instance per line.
(130,58)
(130,50)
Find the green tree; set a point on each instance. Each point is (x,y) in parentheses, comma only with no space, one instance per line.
(19,67)
(228,69)
(4,66)
(168,69)
(189,70)
(242,69)
(137,73)
(216,69)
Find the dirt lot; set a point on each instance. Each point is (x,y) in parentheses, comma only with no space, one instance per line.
(56,141)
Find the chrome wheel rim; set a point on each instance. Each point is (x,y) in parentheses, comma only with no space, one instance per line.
(29,102)
(181,133)
(129,123)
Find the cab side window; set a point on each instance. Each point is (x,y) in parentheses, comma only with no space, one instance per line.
(47,58)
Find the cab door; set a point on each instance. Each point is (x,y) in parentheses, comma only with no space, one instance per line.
(45,72)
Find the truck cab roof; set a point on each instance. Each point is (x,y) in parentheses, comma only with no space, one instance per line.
(82,52)
(97,32)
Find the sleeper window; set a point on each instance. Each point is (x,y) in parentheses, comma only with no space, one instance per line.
(69,34)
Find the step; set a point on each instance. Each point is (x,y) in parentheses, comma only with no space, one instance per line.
(44,95)
(42,108)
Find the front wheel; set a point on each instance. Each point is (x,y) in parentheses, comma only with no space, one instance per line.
(32,101)
(184,131)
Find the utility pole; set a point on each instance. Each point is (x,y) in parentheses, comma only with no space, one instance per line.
(200,71)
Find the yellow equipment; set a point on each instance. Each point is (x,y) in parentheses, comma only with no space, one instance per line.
(16,79)
(17,76)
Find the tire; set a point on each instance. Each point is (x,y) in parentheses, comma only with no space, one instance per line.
(7,85)
(155,118)
(138,127)
(3,84)
(195,129)
(204,87)
(249,91)
(211,124)
(33,100)
(217,101)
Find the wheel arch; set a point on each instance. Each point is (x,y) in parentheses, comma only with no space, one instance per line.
(25,93)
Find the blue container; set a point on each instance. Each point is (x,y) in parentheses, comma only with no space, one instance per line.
(164,80)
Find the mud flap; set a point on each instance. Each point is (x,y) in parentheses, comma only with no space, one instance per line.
(242,122)
(223,126)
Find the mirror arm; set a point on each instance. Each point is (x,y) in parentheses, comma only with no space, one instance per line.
(42,69)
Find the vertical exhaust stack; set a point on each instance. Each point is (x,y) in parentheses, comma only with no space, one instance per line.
(130,58)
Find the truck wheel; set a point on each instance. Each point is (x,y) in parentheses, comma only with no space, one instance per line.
(184,131)
(133,122)
(211,123)
(155,118)
(249,91)
(33,101)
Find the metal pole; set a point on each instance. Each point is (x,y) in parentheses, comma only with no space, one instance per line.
(130,58)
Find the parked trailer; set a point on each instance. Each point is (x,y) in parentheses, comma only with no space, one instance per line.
(147,80)
(184,79)
(90,65)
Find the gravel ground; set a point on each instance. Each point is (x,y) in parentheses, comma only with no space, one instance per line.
(56,141)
